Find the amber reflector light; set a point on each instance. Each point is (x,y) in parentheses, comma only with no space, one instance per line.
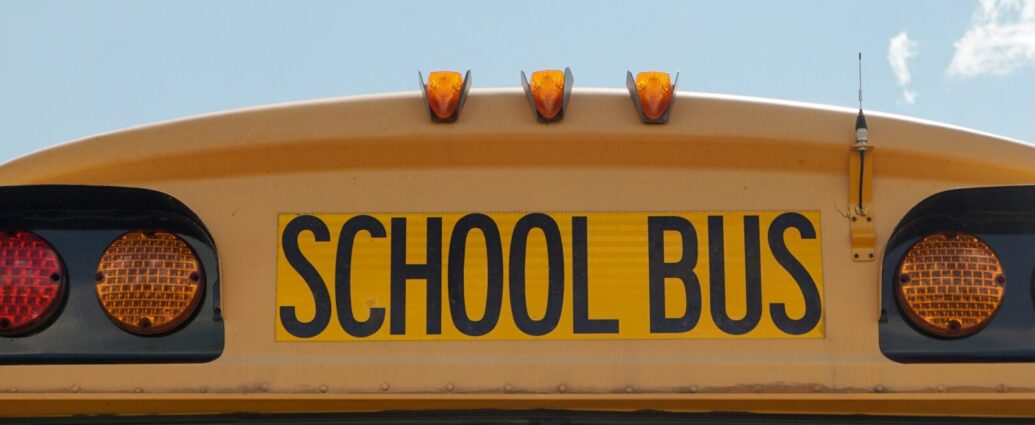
(443,90)
(548,92)
(655,91)
(149,282)
(31,282)
(950,284)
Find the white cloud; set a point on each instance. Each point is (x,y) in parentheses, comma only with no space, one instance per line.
(1000,40)
(900,50)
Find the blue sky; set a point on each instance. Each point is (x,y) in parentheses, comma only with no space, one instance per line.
(73,69)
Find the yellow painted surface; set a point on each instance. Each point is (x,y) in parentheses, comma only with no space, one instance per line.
(240,170)
(617,269)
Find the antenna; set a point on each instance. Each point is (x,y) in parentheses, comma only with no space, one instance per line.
(860,80)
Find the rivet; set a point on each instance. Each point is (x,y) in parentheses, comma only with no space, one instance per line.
(879,389)
(1001,388)
(323,388)
(264,388)
(757,388)
(692,389)
(818,388)
(562,388)
(75,388)
(203,389)
(385,387)
(450,387)
(941,389)
(629,390)
(508,388)
(138,390)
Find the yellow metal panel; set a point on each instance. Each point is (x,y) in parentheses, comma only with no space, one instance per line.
(239,170)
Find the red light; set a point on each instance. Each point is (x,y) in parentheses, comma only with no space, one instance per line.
(31,282)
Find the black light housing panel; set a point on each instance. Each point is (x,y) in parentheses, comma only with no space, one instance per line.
(89,277)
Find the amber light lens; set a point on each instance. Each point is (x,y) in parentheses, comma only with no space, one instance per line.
(655,91)
(950,284)
(547,89)
(31,282)
(443,90)
(149,282)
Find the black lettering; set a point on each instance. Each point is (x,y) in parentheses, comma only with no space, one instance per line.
(305,269)
(431,272)
(809,291)
(555,256)
(343,277)
(494,294)
(682,270)
(752,274)
(580,282)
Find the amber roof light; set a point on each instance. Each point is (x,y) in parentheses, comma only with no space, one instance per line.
(548,93)
(445,93)
(652,93)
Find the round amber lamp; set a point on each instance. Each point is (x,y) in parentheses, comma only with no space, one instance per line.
(950,284)
(149,282)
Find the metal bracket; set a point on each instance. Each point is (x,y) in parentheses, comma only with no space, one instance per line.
(860,202)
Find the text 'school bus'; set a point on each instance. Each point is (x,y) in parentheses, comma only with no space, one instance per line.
(581,251)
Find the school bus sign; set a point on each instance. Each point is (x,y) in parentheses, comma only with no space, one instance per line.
(511,276)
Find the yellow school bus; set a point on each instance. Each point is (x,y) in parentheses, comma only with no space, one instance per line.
(598,251)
